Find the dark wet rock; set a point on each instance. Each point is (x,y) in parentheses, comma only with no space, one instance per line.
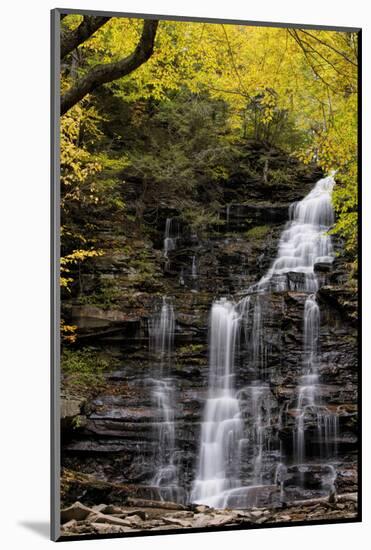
(323,266)
(343,300)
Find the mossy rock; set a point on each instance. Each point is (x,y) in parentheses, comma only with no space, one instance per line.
(258,232)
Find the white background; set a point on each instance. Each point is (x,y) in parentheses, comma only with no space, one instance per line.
(24,252)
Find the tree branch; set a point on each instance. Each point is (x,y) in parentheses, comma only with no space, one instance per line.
(234,64)
(235,92)
(295,36)
(102,74)
(312,51)
(71,39)
(327,45)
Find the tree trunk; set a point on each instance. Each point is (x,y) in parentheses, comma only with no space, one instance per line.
(71,39)
(102,74)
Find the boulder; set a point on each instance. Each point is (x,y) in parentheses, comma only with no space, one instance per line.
(108,528)
(177,521)
(256,513)
(113,520)
(77,511)
(220,520)
(201,520)
(69,525)
(143,503)
(202,508)
(71,407)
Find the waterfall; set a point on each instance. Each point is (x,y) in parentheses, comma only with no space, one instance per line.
(169,240)
(308,382)
(181,277)
(304,243)
(309,390)
(257,339)
(222,426)
(260,403)
(162,328)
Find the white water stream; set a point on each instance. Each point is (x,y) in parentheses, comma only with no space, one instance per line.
(305,240)
(222,426)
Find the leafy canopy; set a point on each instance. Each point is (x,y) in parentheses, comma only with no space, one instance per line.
(296,89)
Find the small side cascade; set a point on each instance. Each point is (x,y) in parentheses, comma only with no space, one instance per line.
(181,277)
(309,406)
(257,336)
(262,423)
(161,330)
(194,274)
(170,239)
(256,403)
(280,476)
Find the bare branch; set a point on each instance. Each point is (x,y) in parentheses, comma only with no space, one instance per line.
(312,51)
(297,39)
(327,45)
(245,93)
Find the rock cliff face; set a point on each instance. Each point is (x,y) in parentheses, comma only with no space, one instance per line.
(117,440)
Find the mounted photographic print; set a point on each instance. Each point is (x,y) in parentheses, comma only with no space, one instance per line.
(205,275)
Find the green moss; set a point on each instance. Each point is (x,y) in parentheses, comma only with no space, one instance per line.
(83,370)
(106,296)
(258,232)
(279,176)
(191,349)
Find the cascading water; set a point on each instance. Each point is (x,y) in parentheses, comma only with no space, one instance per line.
(169,240)
(162,328)
(309,390)
(218,467)
(304,243)
(308,382)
